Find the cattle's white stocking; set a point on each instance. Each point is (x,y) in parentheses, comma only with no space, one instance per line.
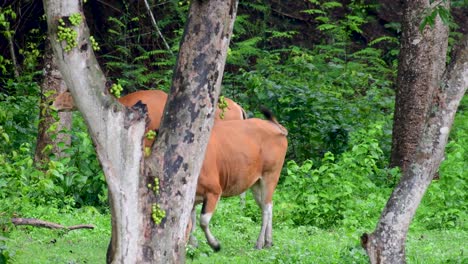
(204,223)
(262,197)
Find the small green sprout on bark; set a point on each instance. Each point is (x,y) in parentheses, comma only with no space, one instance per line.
(157,213)
(222,104)
(147,151)
(155,187)
(67,33)
(151,135)
(94,44)
(116,89)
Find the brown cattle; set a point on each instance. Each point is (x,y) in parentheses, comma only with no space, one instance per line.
(241,155)
(155,100)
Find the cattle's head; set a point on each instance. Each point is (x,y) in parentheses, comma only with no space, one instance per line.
(64,102)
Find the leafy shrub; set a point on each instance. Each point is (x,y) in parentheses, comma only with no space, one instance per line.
(319,110)
(350,191)
(74,180)
(4,255)
(22,180)
(79,174)
(18,117)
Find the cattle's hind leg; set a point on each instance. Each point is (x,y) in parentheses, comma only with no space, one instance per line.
(263,196)
(209,205)
(193,219)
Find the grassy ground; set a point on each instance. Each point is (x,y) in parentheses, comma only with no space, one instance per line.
(38,245)
(237,235)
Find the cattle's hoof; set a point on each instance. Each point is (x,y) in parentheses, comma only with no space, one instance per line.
(262,246)
(193,243)
(216,247)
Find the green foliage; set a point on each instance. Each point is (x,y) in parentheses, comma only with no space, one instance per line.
(340,30)
(319,110)
(4,255)
(31,56)
(432,13)
(349,191)
(18,116)
(22,181)
(79,174)
(129,59)
(459,3)
(6,15)
(74,180)
(4,65)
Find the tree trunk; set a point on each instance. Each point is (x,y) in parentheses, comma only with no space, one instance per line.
(150,205)
(421,65)
(387,243)
(51,86)
(185,128)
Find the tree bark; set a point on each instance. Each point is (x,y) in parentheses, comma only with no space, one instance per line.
(116,132)
(421,65)
(185,128)
(387,243)
(51,86)
(137,237)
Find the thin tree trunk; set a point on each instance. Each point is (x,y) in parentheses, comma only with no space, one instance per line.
(155,24)
(421,65)
(12,52)
(51,86)
(387,243)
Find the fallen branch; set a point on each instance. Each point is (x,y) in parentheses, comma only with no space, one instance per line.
(41,223)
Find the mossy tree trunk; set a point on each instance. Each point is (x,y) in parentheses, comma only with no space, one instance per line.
(137,237)
(421,65)
(48,139)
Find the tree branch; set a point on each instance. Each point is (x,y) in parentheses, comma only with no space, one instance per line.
(45,224)
(12,52)
(456,75)
(153,20)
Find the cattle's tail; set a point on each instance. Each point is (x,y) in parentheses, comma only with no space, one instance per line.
(269,115)
(244,113)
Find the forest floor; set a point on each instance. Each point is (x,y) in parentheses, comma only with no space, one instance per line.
(237,234)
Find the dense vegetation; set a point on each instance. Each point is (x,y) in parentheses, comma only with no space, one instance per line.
(334,93)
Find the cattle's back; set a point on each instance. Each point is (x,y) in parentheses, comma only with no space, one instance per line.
(155,100)
(239,152)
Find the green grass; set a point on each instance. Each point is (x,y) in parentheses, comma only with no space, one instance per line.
(237,234)
(27,244)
